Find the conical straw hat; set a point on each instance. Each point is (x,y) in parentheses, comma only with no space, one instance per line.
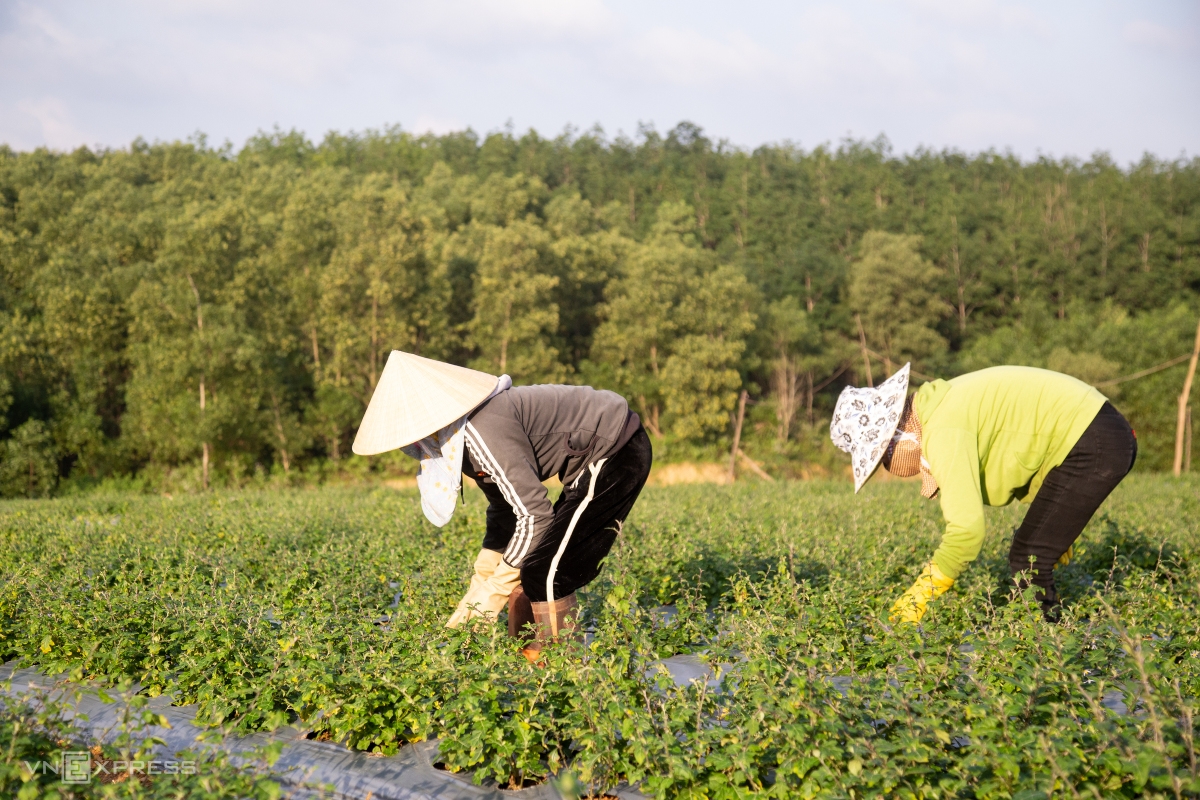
(415,397)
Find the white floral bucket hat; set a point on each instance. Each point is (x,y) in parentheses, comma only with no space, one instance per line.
(864,421)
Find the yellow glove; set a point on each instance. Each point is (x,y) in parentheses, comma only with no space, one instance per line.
(491,585)
(931,583)
(1066,557)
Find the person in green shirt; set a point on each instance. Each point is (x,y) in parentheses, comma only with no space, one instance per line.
(988,438)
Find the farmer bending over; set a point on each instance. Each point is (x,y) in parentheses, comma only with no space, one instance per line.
(991,437)
(535,555)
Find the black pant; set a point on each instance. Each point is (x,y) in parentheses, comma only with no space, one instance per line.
(618,485)
(1070,496)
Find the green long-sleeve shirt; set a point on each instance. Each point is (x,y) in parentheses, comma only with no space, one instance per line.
(990,437)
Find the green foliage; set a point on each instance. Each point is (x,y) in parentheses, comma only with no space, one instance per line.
(1095,345)
(35,730)
(894,292)
(674,330)
(274,280)
(796,350)
(28,467)
(327,608)
(515,313)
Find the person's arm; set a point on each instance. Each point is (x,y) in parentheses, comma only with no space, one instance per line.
(954,461)
(501,521)
(493,580)
(506,454)
(490,587)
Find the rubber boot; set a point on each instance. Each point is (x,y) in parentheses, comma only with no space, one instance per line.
(520,615)
(562,617)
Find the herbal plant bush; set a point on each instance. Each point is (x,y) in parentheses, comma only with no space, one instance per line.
(34,733)
(326,608)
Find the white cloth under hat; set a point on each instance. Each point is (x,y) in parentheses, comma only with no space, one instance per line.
(441,457)
(864,421)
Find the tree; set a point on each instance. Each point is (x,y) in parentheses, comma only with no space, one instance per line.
(516,317)
(675,327)
(29,467)
(168,301)
(382,289)
(893,290)
(640,322)
(796,351)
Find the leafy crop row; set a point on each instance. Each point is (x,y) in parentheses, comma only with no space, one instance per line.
(326,607)
(35,731)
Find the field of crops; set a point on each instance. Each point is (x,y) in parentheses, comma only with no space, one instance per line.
(324,609)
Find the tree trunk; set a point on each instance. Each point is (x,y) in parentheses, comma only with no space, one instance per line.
(374,341)
(755,466)
(504,338)
(808,379)
(1106,235)
(737,434)
(283,453)
(204,445)
(1187,443)
(745,211)
(1181,418)
(649,416)
(786,394)
(204,454)
(962,303)
(862,341)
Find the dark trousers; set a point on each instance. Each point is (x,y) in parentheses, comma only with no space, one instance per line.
(1070,496)
(617,486)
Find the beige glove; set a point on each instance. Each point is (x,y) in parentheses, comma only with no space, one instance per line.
(931,583)
(1066,557)
(491,585)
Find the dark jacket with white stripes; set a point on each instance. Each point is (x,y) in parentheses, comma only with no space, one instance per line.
(520,438)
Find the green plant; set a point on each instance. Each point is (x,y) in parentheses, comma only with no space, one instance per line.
(327,608)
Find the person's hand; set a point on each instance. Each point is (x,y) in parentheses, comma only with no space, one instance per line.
(491,585)
(1066,557)
(931,583)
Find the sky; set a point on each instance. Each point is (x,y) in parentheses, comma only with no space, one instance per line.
(1056,78)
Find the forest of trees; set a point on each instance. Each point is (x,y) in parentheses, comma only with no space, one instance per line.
(187,316)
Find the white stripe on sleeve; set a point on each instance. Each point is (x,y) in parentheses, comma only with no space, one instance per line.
(523,534)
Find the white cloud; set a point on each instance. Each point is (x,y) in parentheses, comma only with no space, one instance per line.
(989,125)
(689,58)
(984,14)
(54,120)
(40,23)
(965,73)
(437,125)
(1149,34)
